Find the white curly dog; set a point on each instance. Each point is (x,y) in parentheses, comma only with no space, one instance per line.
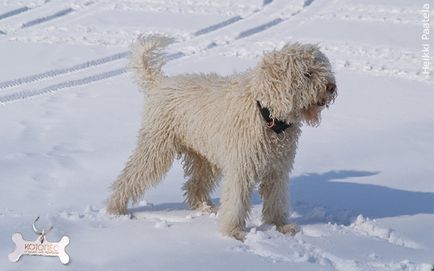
(244,127)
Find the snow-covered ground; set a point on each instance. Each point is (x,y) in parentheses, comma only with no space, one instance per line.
(363,185)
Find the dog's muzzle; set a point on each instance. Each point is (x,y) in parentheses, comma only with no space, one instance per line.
(331,92)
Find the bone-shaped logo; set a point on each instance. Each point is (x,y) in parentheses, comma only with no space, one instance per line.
(39,247)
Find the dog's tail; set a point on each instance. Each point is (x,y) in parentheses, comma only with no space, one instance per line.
(147,59)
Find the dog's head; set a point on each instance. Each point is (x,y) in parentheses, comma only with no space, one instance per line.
(295,83)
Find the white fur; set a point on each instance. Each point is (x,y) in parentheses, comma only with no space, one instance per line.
(214,124)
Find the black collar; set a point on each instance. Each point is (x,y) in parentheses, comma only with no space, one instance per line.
(276,125)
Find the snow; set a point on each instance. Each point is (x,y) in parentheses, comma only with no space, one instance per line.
(362,188)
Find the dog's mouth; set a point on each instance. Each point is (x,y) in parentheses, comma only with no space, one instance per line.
(314,109)
(312,114)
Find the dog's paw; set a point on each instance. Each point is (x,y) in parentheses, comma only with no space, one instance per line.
(114,209)
(291,229)
(207,208)
(240,235)
(236,233)
(116,212)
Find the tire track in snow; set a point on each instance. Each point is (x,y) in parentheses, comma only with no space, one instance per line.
(259,28)
(116,72)
(96,62)
(174,56)
(278,12)
(47,18)
(61,71)
(75,68)
(20,95)
(20,11)
(53,12)
(217,26)
(348,56)
(14,12)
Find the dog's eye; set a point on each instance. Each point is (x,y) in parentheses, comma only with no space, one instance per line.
(308,74)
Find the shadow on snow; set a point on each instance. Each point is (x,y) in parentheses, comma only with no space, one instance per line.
(322,198)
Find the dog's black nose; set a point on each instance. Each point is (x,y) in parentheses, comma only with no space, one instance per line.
(331,88)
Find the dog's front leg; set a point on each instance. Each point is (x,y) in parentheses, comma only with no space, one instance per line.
(235,204)
(275,210)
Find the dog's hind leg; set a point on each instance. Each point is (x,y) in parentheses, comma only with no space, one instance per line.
(203,177)
(275,209)
(146,167)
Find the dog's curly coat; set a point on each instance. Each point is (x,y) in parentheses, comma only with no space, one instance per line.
(214,123)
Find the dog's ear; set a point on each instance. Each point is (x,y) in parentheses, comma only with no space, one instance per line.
(272,71)
(273,82)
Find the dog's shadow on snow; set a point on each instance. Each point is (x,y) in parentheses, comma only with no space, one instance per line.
(323,198)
